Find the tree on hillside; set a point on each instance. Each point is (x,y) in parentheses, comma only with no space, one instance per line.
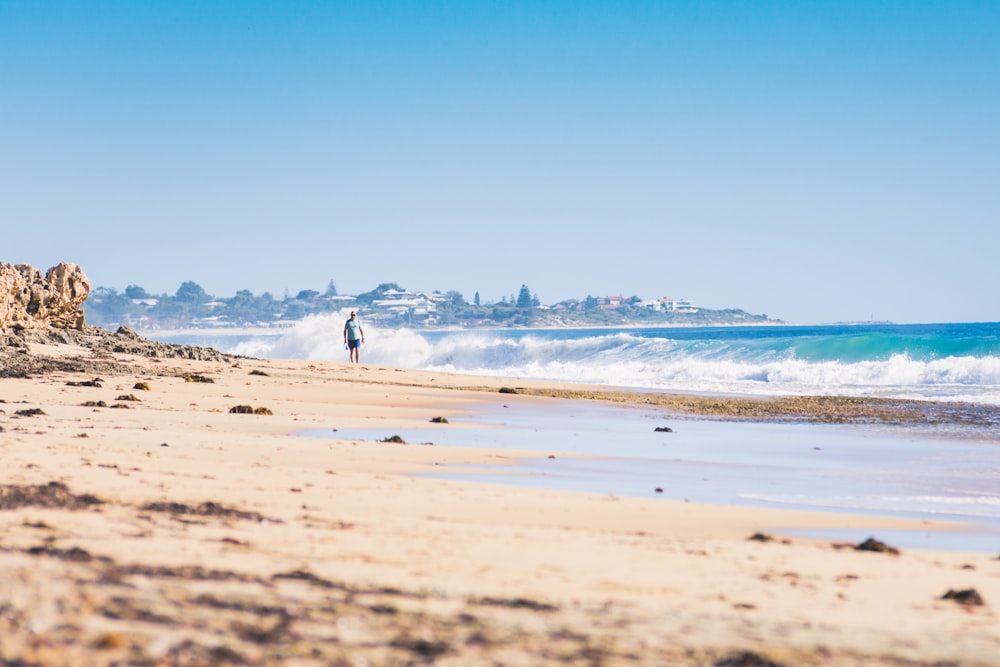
(475,299)
(524,297)
(331,289)
(192,293)
(269,307)
(242,308)
(136,292)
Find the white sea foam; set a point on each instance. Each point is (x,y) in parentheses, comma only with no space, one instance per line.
(752,366)
(969,506)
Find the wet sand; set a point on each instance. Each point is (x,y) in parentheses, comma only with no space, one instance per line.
(163,528)
(643,452)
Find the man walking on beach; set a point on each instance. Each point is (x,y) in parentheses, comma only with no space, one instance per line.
(354,336)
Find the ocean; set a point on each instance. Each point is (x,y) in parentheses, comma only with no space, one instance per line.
(854,469)
(938,362)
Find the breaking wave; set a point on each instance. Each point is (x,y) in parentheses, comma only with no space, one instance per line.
(934,362)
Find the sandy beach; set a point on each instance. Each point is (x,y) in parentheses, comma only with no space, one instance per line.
(144,522)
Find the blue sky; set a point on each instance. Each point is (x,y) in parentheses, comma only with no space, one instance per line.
(817,162)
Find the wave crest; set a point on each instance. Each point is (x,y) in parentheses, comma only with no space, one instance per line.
(751,365)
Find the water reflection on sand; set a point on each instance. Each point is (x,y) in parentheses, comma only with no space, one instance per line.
(818,467)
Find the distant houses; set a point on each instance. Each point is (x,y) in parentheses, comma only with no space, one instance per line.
(410,307)
(617,302)
(388,305)
(675,305)
(610,303)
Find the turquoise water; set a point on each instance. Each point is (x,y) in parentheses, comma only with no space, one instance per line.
(939,362)
(930,474)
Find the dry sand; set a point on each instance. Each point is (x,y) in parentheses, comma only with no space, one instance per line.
(170,531)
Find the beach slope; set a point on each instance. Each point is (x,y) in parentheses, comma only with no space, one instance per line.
(160,511)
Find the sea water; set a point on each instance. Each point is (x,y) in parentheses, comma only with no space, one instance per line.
(612,450)
(938,362)
(831,468)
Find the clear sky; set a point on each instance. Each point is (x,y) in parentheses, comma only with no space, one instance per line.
(814,161)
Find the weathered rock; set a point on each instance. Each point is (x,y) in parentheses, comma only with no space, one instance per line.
(761,537)
(30,300)
(969,597)
(18,360)
(871,544)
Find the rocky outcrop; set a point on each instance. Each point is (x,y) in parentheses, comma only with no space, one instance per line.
(30,300)
(37,310)
(98,355)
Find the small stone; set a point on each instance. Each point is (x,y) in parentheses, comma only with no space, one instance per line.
(871,544)
(761,537)
(968,597)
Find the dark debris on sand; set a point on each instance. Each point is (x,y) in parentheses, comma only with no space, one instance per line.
(871,544)
(746,659)
(300,617)
(205,509)
(51,495)
(279,622)
(795,409)
(968,597)
(17,360)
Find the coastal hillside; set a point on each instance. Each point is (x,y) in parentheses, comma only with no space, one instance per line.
(390,305)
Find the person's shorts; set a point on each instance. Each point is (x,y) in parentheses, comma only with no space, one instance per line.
(353,344)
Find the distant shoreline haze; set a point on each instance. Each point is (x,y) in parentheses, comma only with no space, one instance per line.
(390,305)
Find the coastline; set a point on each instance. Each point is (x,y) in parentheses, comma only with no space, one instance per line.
(951,364)
(291,324)
(223,534)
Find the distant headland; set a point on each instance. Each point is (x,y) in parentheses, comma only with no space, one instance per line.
(390,305)
(27,291)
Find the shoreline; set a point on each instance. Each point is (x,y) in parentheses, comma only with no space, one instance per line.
(613,449)
(654,364)
(222,534)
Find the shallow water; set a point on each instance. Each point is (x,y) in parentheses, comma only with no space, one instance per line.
(814,467)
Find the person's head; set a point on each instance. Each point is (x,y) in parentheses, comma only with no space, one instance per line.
(353,314)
